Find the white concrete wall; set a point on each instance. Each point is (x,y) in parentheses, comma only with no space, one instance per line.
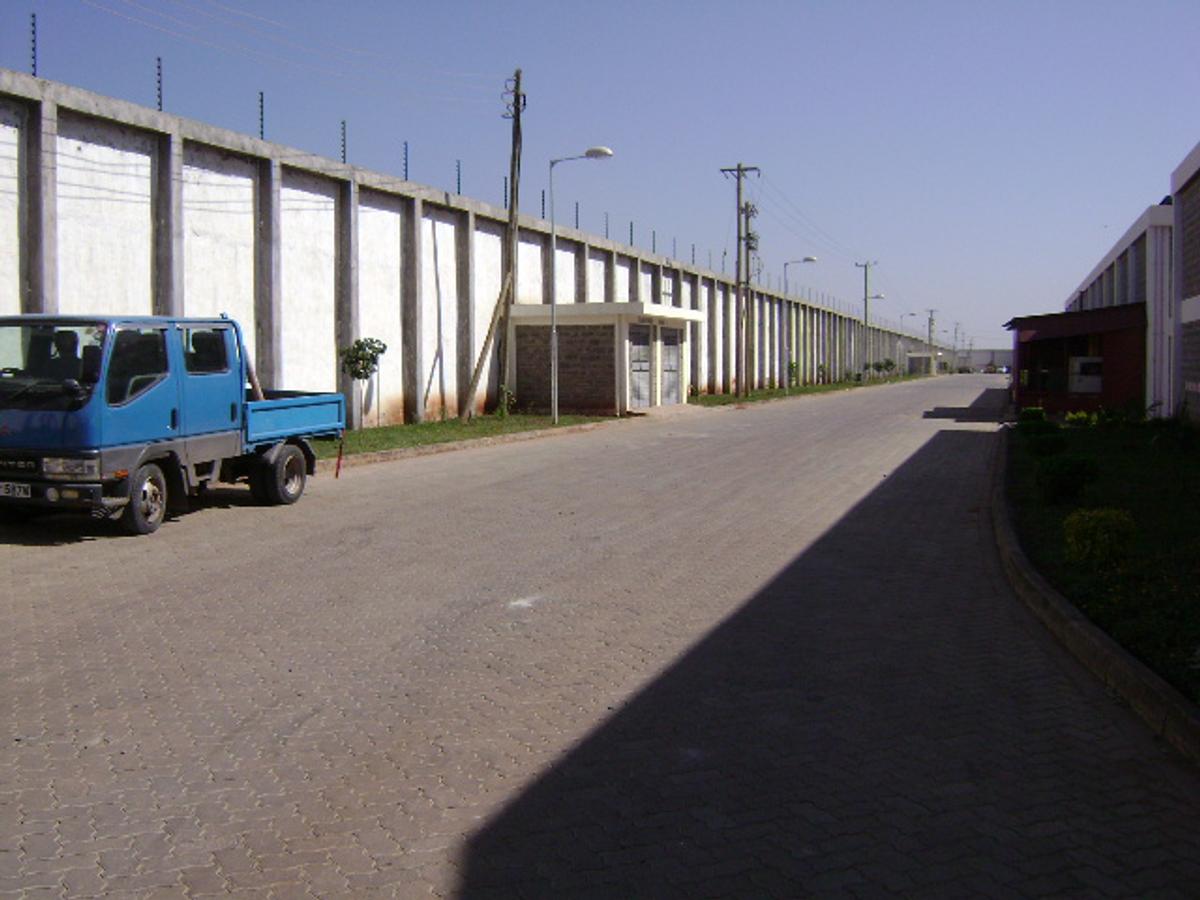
(597,264)
(379,303)
(716,309)
(105,221)
(439,311)
(646,284)
(101,236)
(564,271)
(703,301)
(11,125)
(218,237)
(623,279)
(529,269)
(489,256)
(308,239)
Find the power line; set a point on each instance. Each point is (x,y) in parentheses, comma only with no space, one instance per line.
(368,73)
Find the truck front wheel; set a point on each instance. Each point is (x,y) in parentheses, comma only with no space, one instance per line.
(284,479)
(147,505)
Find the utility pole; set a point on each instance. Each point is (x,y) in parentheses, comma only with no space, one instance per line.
(516,105)
(500,315)
(742,275)
(932,362)
(866,351)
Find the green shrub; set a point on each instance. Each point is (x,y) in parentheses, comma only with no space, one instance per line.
(1063,478)
(1080,419)
(1032,414)
(1047,444)
(1036,426)
(1099,537)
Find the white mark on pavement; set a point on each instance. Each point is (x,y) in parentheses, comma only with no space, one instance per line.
(526,602)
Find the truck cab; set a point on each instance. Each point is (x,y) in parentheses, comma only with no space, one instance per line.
(121,415)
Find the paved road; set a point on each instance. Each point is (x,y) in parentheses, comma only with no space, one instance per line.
(738,653)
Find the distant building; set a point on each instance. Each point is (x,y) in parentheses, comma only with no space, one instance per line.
(1114,347)
(1185,191)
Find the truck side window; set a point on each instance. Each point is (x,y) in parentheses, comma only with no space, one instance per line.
(139,361)
(204,350)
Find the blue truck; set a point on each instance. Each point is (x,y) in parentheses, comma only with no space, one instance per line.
(126,417)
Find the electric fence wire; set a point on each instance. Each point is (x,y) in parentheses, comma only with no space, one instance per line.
(789,214)
(231,15)
(366,73)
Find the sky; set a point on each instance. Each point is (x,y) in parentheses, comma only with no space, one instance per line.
(986,154)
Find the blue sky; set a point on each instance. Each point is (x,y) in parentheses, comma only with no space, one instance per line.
(986,154)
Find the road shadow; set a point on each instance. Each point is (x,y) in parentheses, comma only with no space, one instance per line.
(992,405)
(881,718)
(59,528)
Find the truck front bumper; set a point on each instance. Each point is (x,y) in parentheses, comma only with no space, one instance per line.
(46,496)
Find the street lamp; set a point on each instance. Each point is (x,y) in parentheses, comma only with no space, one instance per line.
(899,338)
(869,348)
(591,153)
(806,259)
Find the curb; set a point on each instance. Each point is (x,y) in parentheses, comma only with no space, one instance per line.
(1168,713)
(325,466)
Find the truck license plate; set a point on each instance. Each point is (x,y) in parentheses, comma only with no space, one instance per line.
(13,489)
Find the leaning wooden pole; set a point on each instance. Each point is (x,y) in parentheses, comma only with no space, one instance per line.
(501,305)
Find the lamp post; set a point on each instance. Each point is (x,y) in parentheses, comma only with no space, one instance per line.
(899,338)
(591,153)
(806,259)
(787,376)
(868,349)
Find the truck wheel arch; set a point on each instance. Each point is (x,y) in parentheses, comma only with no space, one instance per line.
(172,469)
(310,458)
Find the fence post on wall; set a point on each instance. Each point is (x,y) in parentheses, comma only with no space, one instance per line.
(346,328)
(410,309)
(168,227)
(40,282)
(267,267)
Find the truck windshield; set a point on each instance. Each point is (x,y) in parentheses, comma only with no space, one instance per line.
(49,365)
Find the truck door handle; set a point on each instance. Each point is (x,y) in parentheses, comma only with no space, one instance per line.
(174,419)
(232,412)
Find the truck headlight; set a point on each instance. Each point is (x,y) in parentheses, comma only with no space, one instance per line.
(62,467)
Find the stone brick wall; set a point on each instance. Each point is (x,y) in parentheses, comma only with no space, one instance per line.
(587,374)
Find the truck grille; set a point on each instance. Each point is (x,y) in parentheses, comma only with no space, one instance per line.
(19,465)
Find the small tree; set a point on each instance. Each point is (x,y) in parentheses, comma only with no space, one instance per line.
(889,365)
(360,361)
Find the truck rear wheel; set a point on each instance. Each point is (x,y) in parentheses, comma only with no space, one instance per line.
(147,505)
(284,479)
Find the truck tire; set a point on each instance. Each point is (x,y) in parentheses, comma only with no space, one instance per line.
(147,505)
(284,479)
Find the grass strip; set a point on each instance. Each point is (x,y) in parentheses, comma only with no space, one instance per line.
(763,394)
(394,437)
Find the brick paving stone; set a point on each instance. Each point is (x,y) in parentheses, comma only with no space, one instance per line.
(759,652)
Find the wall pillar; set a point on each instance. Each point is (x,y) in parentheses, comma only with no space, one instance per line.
(465,278)
(40,282)
(412,217)
(267,267)
(345,328)
(610,278)
(168,226)
(583,253)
